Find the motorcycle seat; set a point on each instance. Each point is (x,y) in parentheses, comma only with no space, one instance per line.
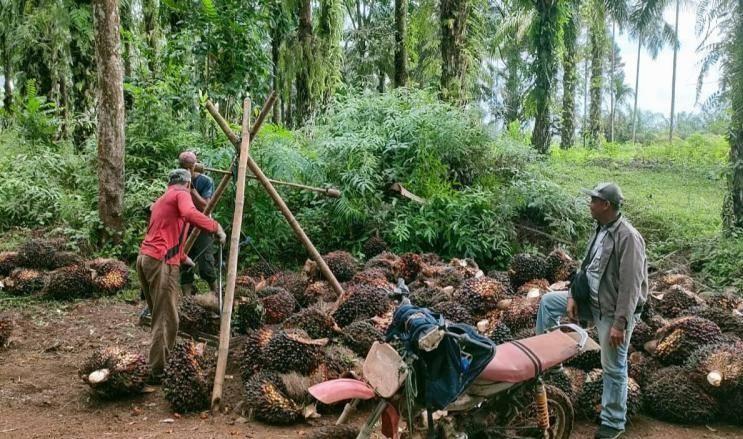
(521,360)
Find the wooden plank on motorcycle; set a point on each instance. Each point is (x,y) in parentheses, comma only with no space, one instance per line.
(384,369)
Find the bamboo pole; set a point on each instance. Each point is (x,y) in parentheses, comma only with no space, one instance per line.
(237,220)
(330,192)
(314,254)
(225,181)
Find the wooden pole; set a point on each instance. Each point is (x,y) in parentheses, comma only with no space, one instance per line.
(237,220)
(225,181)
(330,192)
(283,208)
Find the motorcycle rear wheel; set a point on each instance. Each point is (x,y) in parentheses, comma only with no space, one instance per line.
(523,424)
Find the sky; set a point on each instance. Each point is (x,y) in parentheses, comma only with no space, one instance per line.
(655,75)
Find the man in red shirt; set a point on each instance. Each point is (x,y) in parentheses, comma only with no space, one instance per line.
(160,257)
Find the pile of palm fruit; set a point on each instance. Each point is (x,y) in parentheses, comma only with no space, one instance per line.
(41,267)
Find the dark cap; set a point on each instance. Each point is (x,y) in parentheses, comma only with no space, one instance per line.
(606,191)
(179,176)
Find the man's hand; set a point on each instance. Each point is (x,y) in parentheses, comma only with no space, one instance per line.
(616,336)
(188,262)
(221,235)
(572,310)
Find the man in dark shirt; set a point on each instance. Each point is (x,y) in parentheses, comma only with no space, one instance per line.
(202,252)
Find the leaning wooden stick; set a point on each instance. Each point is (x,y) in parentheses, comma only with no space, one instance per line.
(237,220)
(330,192)
(314,254)
(225,181)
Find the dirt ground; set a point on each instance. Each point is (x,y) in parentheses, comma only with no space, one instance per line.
(42,397)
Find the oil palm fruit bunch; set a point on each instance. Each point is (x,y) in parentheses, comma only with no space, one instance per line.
(364,302)
(374,246)
(728,321)
(294,283)
(111,372)
(522,313)
(69,283)
(675,279)
(410,266)
(587,360)
(641,365)
(194,317)
(9,261)
(641,334)
(499,332)
(66,259)
(454,312)
(25,281)
(558,377)
(335,432)
(266,396)
(525,267)
(560,266)
(188,377)
(480,294)
(321,290)
(260,269)
(675,300)
(6,329)
(504,279)
(111,275)
(292,350)
(541,285)
(278,307)
(317,323)
(248,314)
(253,356)
(671,395)
(37,253)
(428,297)
(374,277)
(718,368)
(589,401)
(342,264)
(682,336)
(724,301)
(388,262)
(360,336)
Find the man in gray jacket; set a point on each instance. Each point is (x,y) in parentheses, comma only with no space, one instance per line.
(616,270)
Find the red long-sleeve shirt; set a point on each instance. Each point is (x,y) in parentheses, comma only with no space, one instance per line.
(168,228)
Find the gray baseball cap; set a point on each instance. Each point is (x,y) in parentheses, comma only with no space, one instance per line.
(179,176)
(606,191)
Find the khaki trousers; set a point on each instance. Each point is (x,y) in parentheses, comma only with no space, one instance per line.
(161,288)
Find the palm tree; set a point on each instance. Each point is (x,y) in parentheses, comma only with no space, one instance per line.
(724,19)
(652,32)
(545,38)
(571,31)
(673,81)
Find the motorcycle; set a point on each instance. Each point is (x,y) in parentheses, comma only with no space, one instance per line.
(508,399)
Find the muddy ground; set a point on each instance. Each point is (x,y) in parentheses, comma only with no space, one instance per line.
(41,395)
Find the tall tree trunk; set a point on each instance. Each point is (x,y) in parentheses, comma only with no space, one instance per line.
(612,89)
(304,33)
(150,10)
(569,80)
(453,19)
(401,55)
(584,125)
(546,69)
(512,96)
(736,122)
(8,85)
(637,90)
(329,34)
(597,38)
(110,131)
(673,81)
(380,80)
(275,60)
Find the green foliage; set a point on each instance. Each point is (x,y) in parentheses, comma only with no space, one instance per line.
(718,261)
(35,117)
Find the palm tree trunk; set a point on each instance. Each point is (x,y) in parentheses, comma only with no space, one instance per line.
(303,75)
(453,21)
(401,55)
(612,85)
(673,81)
(546,69)
(150,9)
(637,91)
(584,125)
(8,78)
(275,60)
(735,135)
(597,38)
(110,131)
(569,79)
